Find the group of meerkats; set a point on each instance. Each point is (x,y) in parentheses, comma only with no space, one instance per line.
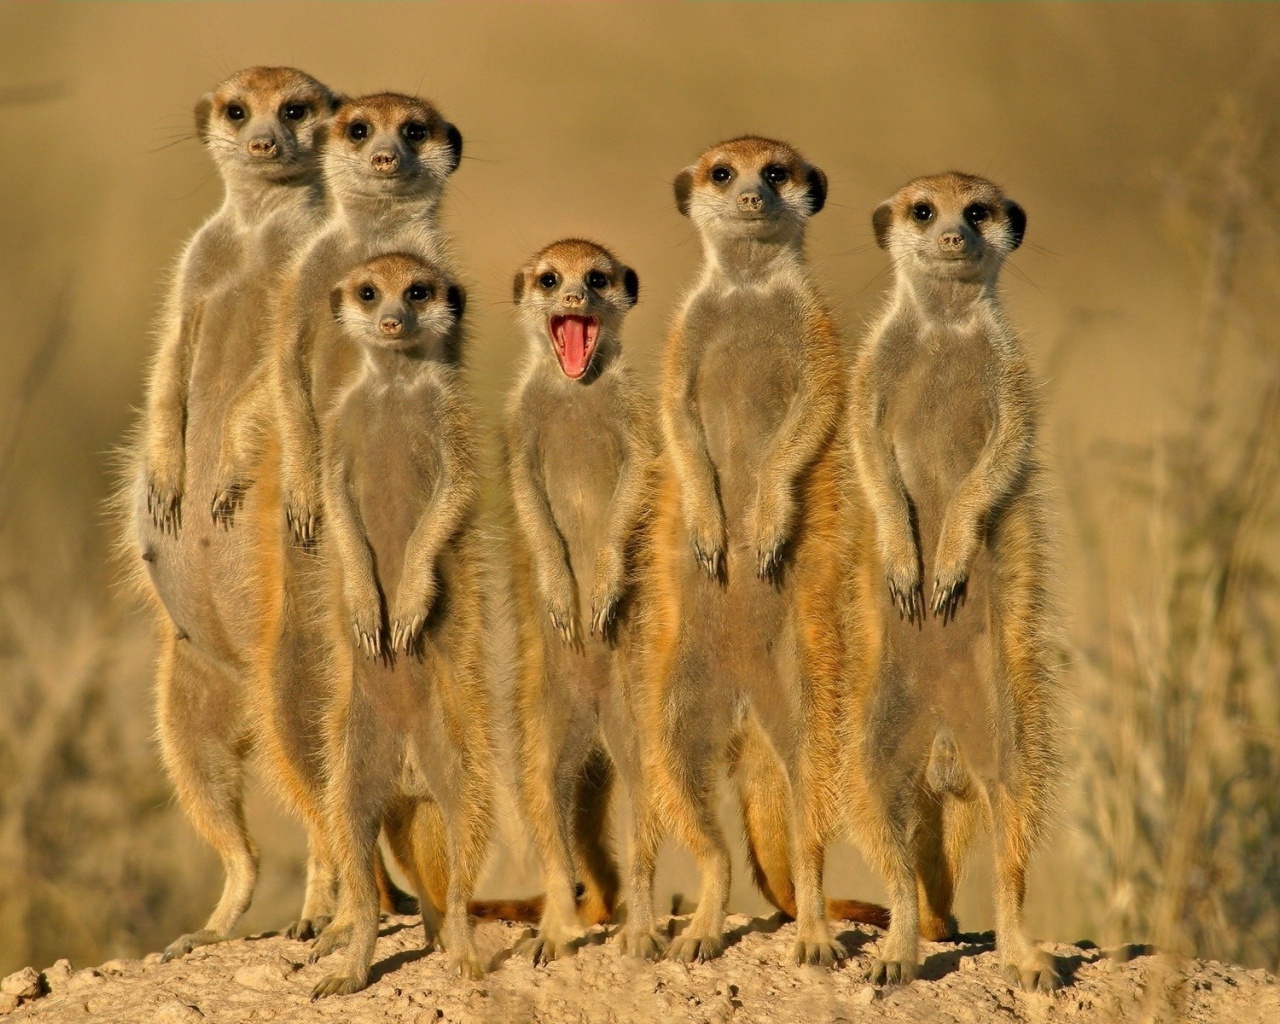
(830,583)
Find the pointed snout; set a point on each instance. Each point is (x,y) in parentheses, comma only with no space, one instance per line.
(385,161)
(390,325)
(951,242)
(750,202)
(263,146)
(573,298)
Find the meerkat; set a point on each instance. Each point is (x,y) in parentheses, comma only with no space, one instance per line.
(956,717)
(263,127)
(386,160)
(579,456)
(410,741)
(743,562)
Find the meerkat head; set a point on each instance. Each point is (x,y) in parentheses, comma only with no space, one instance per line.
(390,146)
(950,226)
(572,296)
(267,123)
(751,188)
(401,303)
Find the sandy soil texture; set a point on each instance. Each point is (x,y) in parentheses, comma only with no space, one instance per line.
(267,978)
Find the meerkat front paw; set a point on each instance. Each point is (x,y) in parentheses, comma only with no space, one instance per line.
(366,620)
(706,530)
(227,501)
(769,525)
(610,584)
(561,610)
(301,509)
(957,548)
(902,572)
(410,616)
(164,489)
(338,985)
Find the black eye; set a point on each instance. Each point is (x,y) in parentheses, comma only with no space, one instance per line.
(367,293)
(721,174)
(357,130)
(415,131)
(548,280)
(776,174)
(922,212)
(976,213)
(235,112)
(295,111)
(597,280)
(417,293)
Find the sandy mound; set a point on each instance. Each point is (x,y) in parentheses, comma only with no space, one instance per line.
(266,978)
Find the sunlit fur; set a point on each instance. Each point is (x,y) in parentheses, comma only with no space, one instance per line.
(210,587)
(271,440)
(951,628)
(578,455)
(741,638)
(409,730)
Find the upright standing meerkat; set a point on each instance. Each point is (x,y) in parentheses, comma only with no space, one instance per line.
(957,714)
(579,457)
(745,553)
(386,161)
(410,741)
(263,127)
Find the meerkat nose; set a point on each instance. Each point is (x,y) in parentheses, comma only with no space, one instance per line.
(750,201)
(263,146)
(384,160)
(391,326)
(573,298)
(951,241)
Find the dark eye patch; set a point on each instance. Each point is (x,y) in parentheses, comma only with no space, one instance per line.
(417,292)
(720,174)
(923,212)
(367,293)
(548,280)
(597,280)
(357,130)
(235,112)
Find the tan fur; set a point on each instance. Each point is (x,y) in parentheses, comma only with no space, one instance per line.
(954,695)
(742,629)
(579,458)
(410,728)
(263,127)
(384,190)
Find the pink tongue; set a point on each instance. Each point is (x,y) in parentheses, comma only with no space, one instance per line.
(574,334)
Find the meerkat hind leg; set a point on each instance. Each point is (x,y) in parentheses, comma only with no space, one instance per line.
(207,770)
(899,955)
(1022,964)
(550,789)
(592,844)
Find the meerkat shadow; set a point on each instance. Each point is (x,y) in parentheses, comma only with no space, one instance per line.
(939,965)
(394,962)
(855,940)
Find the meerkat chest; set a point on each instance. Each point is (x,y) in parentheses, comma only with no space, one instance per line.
(749,348)
(940,411)
(582,444)
(391,462)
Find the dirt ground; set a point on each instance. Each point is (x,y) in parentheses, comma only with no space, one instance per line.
(267,978)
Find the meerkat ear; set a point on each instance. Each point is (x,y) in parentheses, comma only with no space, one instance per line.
(336,102)
(817,190)
(631,282)
(456,296)
(1017,221)
(517,287)
(454,138)
(335,302)
(203,112)
(882,221)
(684,190)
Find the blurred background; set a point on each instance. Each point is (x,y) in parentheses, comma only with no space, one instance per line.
(1141,140)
